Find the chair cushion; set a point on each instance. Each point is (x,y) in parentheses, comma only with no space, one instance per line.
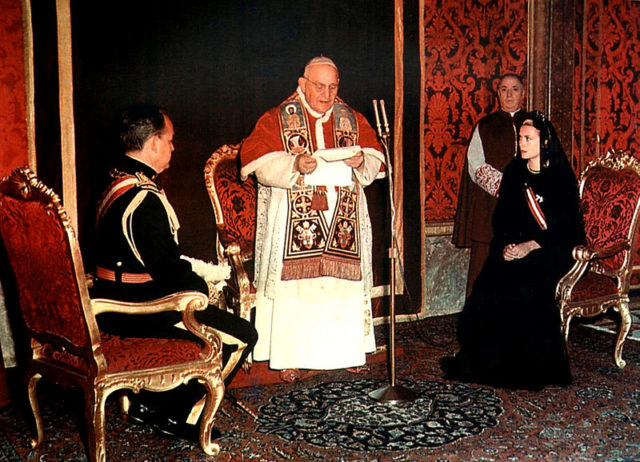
(593,285)
(130,354)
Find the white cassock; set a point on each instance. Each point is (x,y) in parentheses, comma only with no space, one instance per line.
(319,323)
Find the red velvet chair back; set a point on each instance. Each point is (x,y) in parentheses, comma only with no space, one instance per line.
(233,200)
(234,205)
(36,233)
(610,197)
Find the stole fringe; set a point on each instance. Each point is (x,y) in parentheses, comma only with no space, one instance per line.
(340,267)
(327,265)
(304,268)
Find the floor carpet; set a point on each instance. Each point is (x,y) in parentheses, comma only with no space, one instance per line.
(330,417)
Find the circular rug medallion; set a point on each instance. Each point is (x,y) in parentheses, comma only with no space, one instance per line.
(341,414)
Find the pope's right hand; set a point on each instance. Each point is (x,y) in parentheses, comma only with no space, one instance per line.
(305,164)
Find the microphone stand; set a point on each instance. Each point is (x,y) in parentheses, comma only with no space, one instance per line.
(391,393)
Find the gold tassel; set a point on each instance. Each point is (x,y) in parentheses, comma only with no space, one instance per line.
(319,200)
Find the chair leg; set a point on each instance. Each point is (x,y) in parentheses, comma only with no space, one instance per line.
(233,360)
(125,405)
(565,328)
(215,393)
(235,356)
(196,411)
(246,367)
(625,325)
(94,416)
(247,305)
(35,409)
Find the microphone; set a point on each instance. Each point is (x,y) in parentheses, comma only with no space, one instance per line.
(382,129)
(375,111)
(384,117)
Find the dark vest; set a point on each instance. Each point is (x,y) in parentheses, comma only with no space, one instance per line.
(475,206)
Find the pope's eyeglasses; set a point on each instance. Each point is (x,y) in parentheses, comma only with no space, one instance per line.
(333,87)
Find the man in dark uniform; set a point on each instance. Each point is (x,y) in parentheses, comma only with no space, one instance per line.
(493,145)
(138,259)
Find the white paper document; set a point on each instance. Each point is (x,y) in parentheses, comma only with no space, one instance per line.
(331,171)
(334,154)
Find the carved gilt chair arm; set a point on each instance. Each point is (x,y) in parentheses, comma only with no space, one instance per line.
(583,257)
(583,253)
(178,301)
(211,338)
(185,302)
(569,280)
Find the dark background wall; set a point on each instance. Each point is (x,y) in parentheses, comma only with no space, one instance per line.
(46,101)
(217,66)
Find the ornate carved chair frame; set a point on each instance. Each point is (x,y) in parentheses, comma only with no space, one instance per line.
(60,322)
(600,277)
(234,207)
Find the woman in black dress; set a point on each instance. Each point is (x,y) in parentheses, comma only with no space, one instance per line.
(509,330)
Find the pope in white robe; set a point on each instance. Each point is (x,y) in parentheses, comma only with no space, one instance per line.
(312,155)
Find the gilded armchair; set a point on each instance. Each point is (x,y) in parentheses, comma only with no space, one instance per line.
(600,277)
(59,319)
(234,207)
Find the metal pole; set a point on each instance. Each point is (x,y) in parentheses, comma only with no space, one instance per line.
(391,393)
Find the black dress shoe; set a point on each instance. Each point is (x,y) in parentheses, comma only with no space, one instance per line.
(141,414)
(171,428)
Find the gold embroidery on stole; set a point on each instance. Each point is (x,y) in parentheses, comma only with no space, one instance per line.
(313,248)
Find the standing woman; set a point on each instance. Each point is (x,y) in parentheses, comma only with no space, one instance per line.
(509,330)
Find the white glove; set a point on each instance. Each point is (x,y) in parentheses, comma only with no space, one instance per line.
(208,271)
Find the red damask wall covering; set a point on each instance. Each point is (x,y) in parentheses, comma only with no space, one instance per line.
(13,130)
(607,83)
(607,78)
(467,46)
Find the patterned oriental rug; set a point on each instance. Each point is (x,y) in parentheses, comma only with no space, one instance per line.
(329,416)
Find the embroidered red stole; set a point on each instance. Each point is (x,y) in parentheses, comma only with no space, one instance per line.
(313,247)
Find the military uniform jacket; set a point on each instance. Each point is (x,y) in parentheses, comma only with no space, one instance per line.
(143,243)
